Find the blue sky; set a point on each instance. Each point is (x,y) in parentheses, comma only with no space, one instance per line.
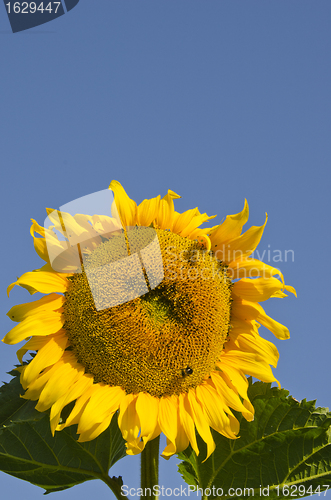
(217,100)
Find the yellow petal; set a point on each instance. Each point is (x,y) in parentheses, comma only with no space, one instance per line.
(248,311)
(168,420)
(195,235)
(147,408)
(126,207)
(215,410)
(166,217)
(85,228)
(103,402)
(196,221)
(204,239)
(39,243)
(240,247)
(259,289)
(128,420)
(279,330)
(147,211)
(239,326)
(252,342)
(51,302)
(80,387)
(134,447)
(68,226)
(34,344)
(201,422)
(231,228)
(170,197)
(182,441)
(42,324)
(251,268)
(50,244)
(250,364)
(230,397)
(104,224)
(184,219)
(187,421)
(37,385)
(43,282)
(170,425)
(74,231)
(96,430)
(180,444)
(48,355)
(76,412)
(288,288)
(236,379)
(62,375)
(37,228)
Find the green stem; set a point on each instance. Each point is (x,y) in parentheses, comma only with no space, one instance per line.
(150,469)
(114,485)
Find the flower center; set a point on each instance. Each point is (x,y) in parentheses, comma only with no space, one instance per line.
(163,342)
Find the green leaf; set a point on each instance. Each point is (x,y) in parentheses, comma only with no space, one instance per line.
(284,453)
(30,452)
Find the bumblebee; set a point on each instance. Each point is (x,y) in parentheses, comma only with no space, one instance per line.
(188,371)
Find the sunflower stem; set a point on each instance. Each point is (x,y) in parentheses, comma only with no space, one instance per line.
(150,469)
(114,485)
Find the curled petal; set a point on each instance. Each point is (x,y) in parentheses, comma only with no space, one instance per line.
(231,228)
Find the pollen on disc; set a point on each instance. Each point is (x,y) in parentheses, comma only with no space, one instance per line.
(163,342)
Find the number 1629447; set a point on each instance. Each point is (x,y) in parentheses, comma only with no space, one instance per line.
(32,7)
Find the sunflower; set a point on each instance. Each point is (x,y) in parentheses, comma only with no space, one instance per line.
(168,344)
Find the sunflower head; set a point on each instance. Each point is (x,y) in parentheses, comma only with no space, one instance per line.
(147,314)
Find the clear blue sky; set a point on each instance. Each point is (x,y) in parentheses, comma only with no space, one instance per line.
(218,100)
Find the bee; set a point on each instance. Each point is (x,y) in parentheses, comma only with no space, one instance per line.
(188,371)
